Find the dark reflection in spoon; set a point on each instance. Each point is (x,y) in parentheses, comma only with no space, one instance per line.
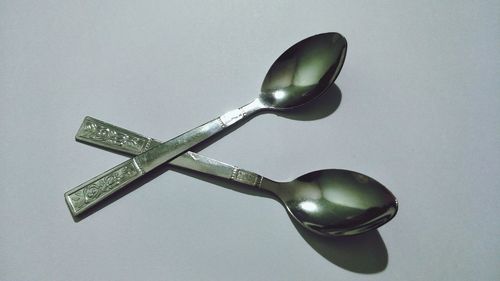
(335,202)
(320,107)
(304,71)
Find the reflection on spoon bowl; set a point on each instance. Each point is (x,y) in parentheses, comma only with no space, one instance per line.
(336,202)
(304,71)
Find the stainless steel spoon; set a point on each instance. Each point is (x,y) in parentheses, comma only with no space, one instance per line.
(301,73)
(329,202)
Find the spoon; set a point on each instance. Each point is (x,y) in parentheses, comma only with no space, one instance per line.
(300,74)
(329,202)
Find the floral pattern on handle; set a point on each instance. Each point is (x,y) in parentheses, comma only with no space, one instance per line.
(85,195)
(98,131)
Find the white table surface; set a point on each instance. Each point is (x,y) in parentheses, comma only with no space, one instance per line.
(419,111)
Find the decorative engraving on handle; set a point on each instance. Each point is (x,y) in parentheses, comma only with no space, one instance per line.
(85,195)
(101,132)
(246,177)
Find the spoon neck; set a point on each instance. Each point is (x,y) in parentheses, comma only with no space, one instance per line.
(252,108)
(269,185)
(238,114)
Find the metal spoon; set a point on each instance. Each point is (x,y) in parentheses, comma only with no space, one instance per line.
(301,73)
(330,202)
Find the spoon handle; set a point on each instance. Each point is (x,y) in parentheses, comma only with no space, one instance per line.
(91,192)
(111,137)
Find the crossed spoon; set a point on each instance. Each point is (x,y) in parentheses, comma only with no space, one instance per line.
(300,74)
(329,202)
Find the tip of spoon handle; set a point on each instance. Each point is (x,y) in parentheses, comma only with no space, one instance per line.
(91,192)
(109,136)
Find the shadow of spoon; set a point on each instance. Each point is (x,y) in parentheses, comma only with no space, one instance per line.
(364,253)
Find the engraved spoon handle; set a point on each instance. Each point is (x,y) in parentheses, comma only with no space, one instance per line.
(89,193)
(105,135)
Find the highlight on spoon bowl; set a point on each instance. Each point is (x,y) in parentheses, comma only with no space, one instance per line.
(304,71)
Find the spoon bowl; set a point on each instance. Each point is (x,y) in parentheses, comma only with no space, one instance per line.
(303,71)
(336,202)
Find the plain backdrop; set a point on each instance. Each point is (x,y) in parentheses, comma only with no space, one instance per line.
(418,109)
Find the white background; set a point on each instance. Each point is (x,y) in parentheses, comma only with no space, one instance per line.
(419,111)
